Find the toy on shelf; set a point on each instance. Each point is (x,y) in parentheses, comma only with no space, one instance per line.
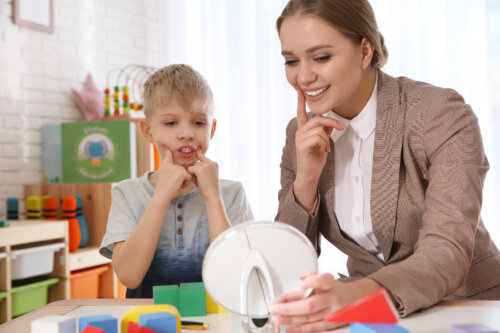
(33,206)
(69,213)
(131,79)
(49,207)
(82,223)
(12,208)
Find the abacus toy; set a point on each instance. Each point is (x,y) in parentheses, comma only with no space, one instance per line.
(131,79)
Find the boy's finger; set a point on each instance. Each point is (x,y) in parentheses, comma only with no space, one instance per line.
(301,109)
(201,156)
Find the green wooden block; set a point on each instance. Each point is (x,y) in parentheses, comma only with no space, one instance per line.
(4,223)
(193,300)
(166,295)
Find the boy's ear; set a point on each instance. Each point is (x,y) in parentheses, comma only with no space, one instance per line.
(146,130)
(214,125)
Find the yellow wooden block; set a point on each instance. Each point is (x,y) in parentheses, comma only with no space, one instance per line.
(132,314)
(213,307)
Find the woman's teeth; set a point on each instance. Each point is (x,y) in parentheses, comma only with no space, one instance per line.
(186,150)
(316,92)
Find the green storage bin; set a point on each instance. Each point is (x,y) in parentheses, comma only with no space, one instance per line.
(30,294)
(3,294)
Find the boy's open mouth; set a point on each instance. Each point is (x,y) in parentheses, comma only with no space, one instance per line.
(186,151)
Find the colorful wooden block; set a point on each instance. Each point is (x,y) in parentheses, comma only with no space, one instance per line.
(376,328)
(54,324)
(163,322)
(193,302)
(374,308)
(166,295)
(136,328)
(92,329)
(105,322)
(144,329)
(472,328)
(133,327)
(213,307)
(132,314)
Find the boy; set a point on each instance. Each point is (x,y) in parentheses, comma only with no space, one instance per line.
(161,224)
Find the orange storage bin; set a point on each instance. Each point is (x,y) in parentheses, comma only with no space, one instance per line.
(85,282)
(122,290)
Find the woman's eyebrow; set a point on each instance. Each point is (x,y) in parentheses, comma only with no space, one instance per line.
(309,50)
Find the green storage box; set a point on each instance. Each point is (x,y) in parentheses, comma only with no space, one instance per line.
(3,294)
(30,294)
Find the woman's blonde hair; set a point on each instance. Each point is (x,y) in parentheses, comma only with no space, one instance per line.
(354,18)
(177,81)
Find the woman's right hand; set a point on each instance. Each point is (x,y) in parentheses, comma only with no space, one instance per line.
(312,142)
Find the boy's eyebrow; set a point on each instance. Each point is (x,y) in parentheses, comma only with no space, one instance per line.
(195,113)
(309,50)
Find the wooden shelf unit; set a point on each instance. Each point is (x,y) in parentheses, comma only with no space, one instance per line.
(22,234)
(96,201)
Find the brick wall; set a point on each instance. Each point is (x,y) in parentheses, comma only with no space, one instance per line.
(37,71)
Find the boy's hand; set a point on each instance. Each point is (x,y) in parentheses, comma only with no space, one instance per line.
(171,178)
(206,176)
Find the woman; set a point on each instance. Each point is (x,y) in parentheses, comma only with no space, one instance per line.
(389,170)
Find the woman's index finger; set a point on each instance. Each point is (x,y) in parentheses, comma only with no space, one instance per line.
(301,109)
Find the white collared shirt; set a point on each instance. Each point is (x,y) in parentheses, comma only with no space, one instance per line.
(353,174)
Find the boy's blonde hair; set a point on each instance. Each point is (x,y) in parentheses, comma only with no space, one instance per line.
(177,81)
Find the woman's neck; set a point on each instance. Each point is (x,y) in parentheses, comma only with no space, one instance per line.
(357,101)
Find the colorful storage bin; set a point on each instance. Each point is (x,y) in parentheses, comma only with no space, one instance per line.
(34,261)
(85,282)
(3,295)
(30,294)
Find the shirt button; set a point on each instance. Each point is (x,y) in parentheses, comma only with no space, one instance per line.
(179,218)
(357,218)
(179,231)
(179,205)
(356,178)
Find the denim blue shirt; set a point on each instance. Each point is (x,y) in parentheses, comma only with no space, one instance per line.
(184,236)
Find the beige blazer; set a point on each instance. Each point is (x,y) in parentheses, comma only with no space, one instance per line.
(428,173)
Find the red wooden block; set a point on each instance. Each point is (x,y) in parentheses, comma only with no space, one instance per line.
(92,329)
(144,329)
(133,327)
(374,308)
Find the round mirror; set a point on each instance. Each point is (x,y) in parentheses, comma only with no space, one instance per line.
(250,264)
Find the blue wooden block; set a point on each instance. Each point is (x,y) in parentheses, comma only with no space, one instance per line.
(106,322)
(162,322)
(376,328)
(472,328)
